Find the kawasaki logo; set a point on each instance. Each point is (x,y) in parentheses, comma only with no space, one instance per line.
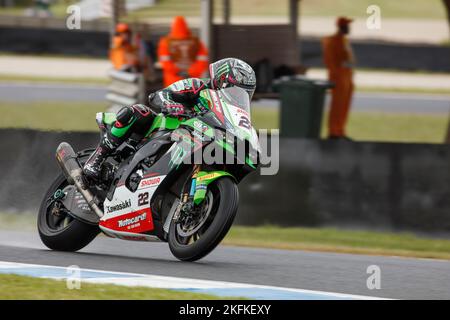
(127,222)
(120,206)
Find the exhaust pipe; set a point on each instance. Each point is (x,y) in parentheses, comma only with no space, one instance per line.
(67,160)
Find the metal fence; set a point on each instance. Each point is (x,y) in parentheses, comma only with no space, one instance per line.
(126,88)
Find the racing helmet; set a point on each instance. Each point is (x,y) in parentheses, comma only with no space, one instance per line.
(230,72)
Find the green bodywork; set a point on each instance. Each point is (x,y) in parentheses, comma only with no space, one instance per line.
(203,179)
(119,132)
(109,118)
(162,122)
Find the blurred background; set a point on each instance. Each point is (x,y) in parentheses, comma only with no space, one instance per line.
(401,70)
(387,167)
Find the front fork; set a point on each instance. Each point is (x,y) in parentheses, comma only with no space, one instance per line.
(187,195)
(198,186)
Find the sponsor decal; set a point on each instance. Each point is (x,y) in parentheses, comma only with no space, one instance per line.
(239,110)
(120,206)
(207,177)
(216,104)
(135,222)
(61,154)
(149,182)
(133,238)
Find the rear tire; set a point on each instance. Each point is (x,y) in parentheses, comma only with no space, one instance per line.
(226,192)
(73,236)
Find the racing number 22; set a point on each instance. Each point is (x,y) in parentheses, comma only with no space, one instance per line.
(245,122)
(142,199)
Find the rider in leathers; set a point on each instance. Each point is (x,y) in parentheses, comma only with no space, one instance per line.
(177,99)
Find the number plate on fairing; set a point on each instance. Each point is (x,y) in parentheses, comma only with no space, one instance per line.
(128,214)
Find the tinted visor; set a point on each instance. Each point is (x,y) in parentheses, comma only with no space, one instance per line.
(249,89)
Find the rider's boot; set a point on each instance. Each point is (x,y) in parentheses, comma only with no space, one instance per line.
(93,165)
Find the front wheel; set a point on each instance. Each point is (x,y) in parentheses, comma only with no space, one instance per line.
(195,235)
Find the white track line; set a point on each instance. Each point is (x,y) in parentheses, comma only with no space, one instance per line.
(166,282)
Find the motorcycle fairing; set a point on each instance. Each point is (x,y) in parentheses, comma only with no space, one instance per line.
(129,213)
(203,179)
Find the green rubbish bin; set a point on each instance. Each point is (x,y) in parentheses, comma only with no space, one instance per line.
(302,103)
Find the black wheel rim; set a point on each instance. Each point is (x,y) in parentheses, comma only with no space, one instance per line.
(57,217)
(188,237)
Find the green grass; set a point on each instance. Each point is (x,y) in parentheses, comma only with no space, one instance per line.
(18,221)
(52,56)
(64,116)
(24,288)
(427,9)
(431,9)
(377,126)
(366,126)
(338,240)
(392,127)
(41,79)
(58,8)
(439,91)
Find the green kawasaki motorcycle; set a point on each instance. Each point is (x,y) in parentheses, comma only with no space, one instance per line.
(178,185)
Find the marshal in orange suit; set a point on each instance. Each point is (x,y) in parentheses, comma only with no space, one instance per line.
(123,54)
(181,54)
(339,60)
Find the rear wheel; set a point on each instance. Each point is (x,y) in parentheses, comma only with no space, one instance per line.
(57,229)
(196,234)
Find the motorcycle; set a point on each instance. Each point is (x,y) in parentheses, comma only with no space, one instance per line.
(157,189)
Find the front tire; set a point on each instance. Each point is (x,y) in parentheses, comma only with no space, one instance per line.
(224,193)
(63,232)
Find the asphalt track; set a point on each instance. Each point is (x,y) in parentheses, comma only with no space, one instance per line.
(401,278)
(381,102)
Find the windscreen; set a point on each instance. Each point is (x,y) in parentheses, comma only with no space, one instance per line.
(237,97)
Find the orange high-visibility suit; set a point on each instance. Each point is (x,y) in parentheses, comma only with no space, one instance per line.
(339,59)
(181,54)
(123,54)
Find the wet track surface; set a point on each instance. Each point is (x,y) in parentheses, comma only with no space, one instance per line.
(401,278)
